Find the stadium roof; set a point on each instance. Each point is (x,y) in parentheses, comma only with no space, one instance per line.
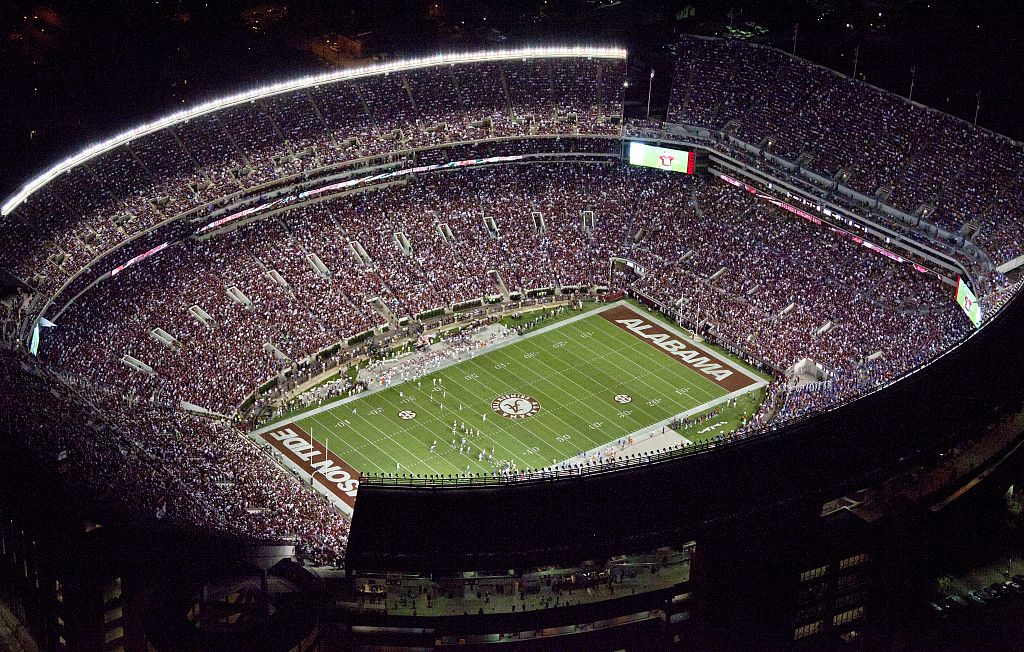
(96,149)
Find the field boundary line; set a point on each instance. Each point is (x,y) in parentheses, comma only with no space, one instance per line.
(700,408)
(671,381)
(727,358)
(494,347)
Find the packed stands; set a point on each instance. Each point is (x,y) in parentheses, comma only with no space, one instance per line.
(256,144)
(210,319)
(716,254)
(911,155)
(158,465)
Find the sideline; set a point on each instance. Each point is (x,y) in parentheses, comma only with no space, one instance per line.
(642,436)
(444,365)
(343,367)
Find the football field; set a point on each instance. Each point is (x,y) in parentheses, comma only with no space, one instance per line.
(535,401)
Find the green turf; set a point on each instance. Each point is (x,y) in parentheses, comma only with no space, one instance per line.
(574,371)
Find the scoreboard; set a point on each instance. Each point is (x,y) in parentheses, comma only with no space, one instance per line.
(661,158)
(968,302)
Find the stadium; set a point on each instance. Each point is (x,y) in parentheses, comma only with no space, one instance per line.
(454,324)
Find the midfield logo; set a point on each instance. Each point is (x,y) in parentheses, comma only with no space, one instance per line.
(515,406)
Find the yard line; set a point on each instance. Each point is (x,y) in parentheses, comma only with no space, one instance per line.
(406,430)
(504,383)
(565,402)
(443,424)
(674,401)
(599,408)
(553,413)
(471,395)
(485,401)
(443,428)
(403,428)
(634,377)
(361,436)
(586,393)
(582,397)
(689,375)
(526,448)
(688,378)
(369,441)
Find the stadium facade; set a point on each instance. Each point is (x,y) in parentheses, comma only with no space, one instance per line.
(202,266)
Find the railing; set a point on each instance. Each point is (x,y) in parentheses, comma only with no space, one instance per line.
(304,180)
(299,84)
(663,456)
(532,476)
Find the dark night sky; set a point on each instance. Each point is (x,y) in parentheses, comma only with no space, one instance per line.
(76,71)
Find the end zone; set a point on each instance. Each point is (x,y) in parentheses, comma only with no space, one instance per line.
(709,364)
(316,463)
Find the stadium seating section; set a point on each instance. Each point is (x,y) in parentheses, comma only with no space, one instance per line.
(771,287)
(831,123)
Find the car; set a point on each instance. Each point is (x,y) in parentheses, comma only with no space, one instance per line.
(939,610)
(1014,586)
(993,594)
(999,590)
(957,603)
(1019,579)
(979,597)
(952,605)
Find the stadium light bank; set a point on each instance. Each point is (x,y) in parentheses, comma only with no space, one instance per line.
(96,149)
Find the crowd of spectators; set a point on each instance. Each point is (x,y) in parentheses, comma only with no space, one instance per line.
(207,321)
(910,155)
(159,466)
(242,307)
(781,289)
(415,364)
(322,393)
(161,175)
(773,287)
